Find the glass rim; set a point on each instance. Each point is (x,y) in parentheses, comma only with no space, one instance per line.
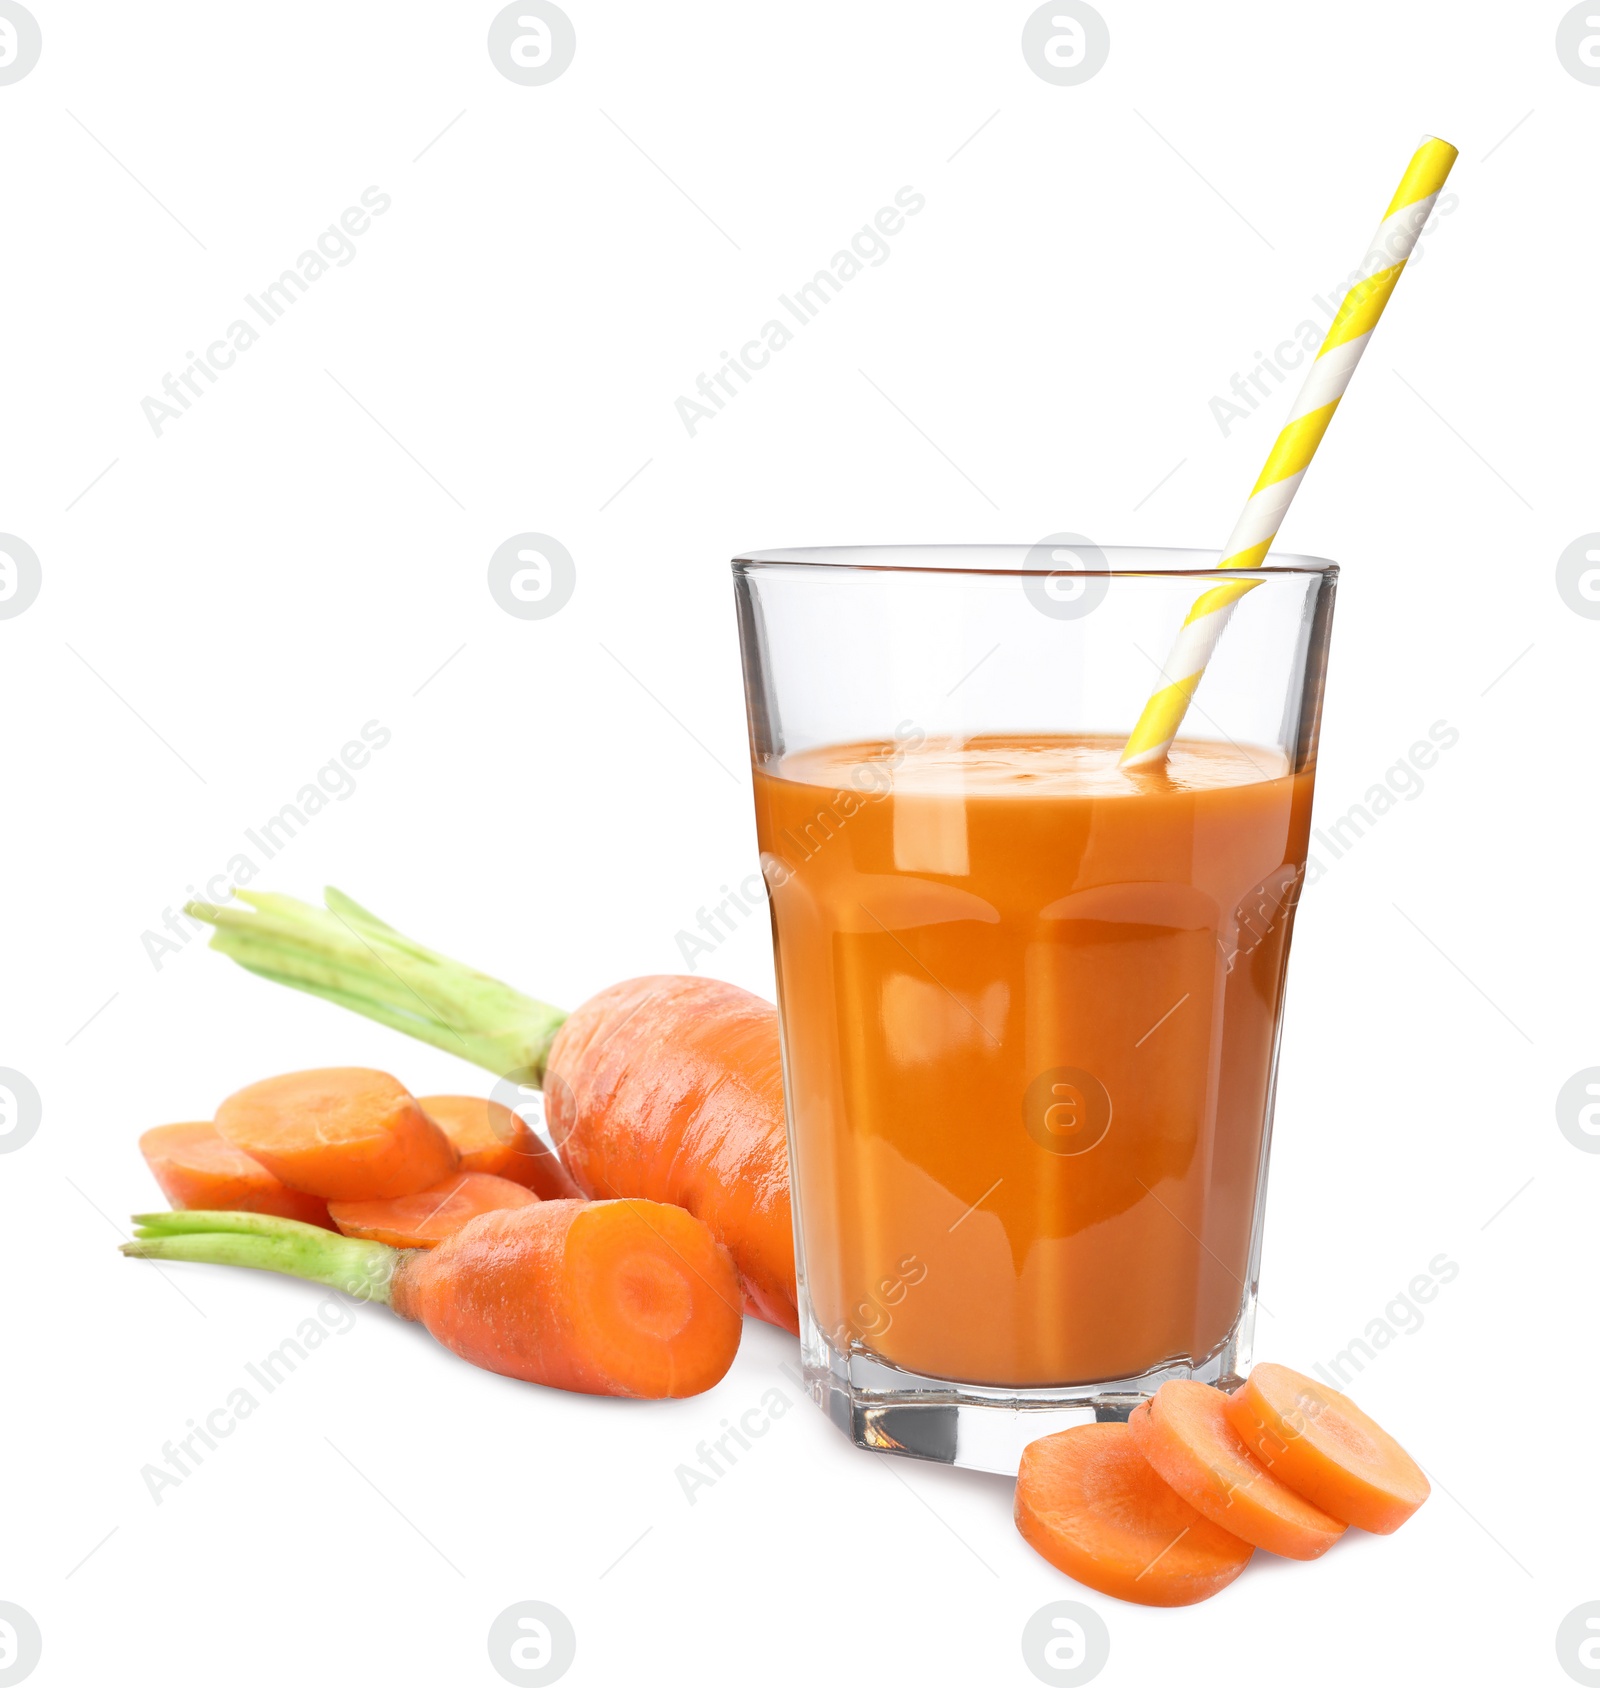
(875,559)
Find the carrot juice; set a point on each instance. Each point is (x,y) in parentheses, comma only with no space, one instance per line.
(1030,1003)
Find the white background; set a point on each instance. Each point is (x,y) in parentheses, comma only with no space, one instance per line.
(303,550)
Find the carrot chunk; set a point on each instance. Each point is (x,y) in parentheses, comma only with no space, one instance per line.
(345,1133)
(1183,1431)
(1089,1502)
(195,1168)
(425,1219)
(490,1138)
(1324,1447)
(607,1298)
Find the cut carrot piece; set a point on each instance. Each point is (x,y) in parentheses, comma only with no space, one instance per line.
(346,1133)
(1089,1503)
(1183,1431)
(195,1168)
(425,1219)
(490,1138)
(608,1298)
(1324,1447)
(668,1089)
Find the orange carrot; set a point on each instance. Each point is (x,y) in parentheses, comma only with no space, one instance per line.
(1183,1431)
(195,1168)
(668,1088)
(490,1138)
(671,1088)
(425,1219)
(346,1133)
(1324,1447)
(1090,1504)
(648,1301)
(606,1298)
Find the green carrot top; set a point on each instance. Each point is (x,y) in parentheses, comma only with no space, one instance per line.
(350,956)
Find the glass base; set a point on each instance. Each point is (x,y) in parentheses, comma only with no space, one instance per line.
(889,1410)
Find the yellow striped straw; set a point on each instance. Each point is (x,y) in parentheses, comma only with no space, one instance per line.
(1330,374)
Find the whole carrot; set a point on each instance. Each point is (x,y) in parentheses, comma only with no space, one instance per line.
(604,1298)
(666,1088)
(670,1087)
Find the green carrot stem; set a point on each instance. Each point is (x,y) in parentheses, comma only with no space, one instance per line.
(347,955)
(267,1244)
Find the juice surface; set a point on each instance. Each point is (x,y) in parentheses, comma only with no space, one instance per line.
(1029,1007)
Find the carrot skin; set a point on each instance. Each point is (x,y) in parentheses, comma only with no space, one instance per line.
(670,1088)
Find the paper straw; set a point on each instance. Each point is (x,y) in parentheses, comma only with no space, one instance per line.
(1286,465)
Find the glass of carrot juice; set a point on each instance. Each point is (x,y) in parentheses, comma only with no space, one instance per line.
(1030,1001)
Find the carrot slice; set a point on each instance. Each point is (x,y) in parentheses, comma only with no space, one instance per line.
(1088,1501)
(425,1219)
(1324,1447)
(195,1168)
(1183,1431)
(346,1133)
(490,1138)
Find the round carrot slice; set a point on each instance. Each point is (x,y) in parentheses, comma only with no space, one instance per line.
(425,1219)
(346,1133)
(1324,1447)
(1088,1501)
(196,1169)
(1183,1431)
(490,1138)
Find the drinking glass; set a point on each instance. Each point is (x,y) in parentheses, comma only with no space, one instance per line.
(1030,1001)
